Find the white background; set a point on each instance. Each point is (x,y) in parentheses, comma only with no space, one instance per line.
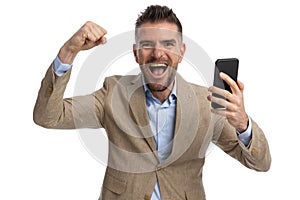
(38,163)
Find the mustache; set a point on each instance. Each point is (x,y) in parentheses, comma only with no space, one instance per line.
(154,60)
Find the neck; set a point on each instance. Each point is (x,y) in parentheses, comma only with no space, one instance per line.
(163,95)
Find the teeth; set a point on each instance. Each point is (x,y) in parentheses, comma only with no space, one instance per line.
(158,65)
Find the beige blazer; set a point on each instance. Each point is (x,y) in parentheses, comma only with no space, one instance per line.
(133,165)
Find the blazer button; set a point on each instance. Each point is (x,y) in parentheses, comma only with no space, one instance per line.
(254,152)
(147,197)
(157,169)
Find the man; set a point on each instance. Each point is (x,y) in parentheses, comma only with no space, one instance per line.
(159,126)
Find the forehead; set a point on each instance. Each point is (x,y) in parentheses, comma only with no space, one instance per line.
(157,31)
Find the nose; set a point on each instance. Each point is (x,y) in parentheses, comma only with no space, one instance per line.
(157,52)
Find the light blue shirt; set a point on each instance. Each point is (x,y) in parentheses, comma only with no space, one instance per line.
(162,121)
(60,68)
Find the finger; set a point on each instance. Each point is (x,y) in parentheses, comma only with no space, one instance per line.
(98,32)
(92,31)
(224,93)
(233,85)
(102,40)
(222,102)
(241,85)
(87,36)
(97,28)
(92,36)
(217,111)
(219,91)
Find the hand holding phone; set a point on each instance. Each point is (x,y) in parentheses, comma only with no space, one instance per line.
(228,66)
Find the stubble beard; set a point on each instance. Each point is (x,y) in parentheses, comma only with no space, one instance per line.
(160,87)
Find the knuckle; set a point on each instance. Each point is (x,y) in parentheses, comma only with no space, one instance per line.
(239,102)
(227,93)
(88,23)
(234,108)
(231,115)
(104,30)
(84,29)
(228,115)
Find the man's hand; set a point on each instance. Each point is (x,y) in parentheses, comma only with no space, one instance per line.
(87,37)
(234,103)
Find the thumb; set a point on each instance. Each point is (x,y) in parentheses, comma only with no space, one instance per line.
(103,40)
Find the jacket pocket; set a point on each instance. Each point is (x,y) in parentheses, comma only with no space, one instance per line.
(114,184)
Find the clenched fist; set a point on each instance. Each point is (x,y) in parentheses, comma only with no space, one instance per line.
(87,37)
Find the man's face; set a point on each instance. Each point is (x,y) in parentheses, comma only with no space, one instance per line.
(158,50)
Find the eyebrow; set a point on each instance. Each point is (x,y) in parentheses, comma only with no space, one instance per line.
(143,41)
(170,40)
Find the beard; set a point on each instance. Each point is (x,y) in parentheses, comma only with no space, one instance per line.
(161,77)
(156,86)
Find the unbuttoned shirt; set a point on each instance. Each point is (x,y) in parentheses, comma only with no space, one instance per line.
(162,122)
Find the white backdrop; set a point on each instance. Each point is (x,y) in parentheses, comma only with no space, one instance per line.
(38,163)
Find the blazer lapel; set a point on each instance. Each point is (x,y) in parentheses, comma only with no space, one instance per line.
(187,120)
(137,103)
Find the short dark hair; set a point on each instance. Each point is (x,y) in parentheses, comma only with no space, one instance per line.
(157,13)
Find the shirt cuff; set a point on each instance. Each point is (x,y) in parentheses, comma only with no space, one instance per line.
(60,68)
(246,136)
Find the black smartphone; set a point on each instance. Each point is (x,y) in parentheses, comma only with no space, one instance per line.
(230,67)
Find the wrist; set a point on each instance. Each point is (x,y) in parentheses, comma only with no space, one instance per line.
(243,126)
(66,54)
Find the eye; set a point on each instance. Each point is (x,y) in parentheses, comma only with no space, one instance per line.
(146,45)
(169,44)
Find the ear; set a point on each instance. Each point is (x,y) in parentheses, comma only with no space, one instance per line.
(135,53)
(182,51)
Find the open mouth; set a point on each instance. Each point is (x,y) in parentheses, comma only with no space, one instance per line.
(158,69)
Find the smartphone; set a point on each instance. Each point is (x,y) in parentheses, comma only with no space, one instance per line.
(230,67)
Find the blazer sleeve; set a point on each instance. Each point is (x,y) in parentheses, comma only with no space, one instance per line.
(51,110)
(255,156)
